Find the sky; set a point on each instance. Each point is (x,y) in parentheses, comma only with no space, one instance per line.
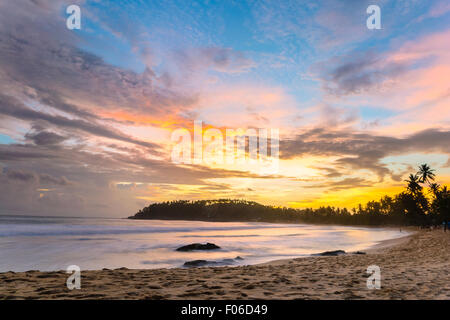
(87,115)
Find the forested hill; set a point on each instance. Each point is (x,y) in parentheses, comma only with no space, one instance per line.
(216,210)
(424,203)
(387,211)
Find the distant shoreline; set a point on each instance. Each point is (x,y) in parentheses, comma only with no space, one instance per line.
(393,226)
(387,212)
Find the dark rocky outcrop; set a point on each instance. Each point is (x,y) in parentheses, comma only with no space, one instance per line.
(203,263)
(198,246)
(331,253)
(197,263)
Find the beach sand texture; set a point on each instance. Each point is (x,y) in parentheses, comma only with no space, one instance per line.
(414,267)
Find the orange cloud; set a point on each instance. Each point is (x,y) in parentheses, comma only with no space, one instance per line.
(167,122)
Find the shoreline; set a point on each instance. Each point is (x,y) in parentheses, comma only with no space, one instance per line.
(412,267)
(379,246)
(388,226)
(385,244)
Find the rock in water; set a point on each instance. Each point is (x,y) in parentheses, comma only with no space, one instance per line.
(202,263)
(198,246)
(196,263)
(332,253)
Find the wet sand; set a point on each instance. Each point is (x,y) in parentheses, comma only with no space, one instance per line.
(414,267)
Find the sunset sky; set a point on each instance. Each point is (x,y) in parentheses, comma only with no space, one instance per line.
(86,116)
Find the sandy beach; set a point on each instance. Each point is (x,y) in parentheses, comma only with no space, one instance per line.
(413,267)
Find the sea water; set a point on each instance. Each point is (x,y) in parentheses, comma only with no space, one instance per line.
(50,243)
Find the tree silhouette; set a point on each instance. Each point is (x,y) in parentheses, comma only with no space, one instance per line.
(413,184)
(435,188)
(426,174)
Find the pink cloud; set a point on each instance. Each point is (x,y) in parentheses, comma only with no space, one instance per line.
(256,105)
(439,9)
(427,87)
(421,86)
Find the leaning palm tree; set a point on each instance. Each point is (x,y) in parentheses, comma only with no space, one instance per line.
(426,174)
(413,183)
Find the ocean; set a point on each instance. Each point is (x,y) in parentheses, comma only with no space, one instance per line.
(51,243)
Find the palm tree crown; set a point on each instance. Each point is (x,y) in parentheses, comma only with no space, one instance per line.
(413,183)
(435,188)
(425,173)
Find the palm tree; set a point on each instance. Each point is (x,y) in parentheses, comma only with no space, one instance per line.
(435,188)
(426,174)
(413,183)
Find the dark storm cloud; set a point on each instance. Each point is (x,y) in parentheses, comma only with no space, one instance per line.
(48,98)
(46,179)
(33,177)
(15,152)
(21,175)
(45,138)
